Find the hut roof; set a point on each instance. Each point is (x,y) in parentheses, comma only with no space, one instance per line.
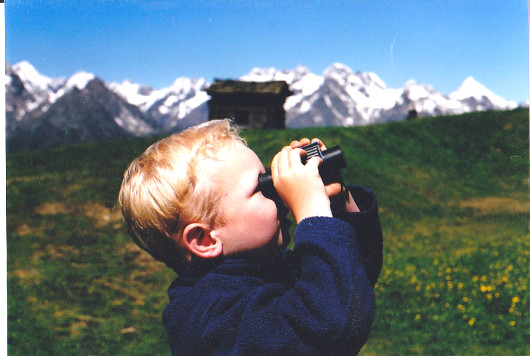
(239,87)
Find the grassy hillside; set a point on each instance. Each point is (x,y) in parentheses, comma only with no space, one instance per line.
(453,206)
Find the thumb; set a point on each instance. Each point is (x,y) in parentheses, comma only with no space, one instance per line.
(314,162)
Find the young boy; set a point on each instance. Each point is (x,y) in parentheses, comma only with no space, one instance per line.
(192,201)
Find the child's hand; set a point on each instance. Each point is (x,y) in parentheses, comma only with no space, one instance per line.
(300,186)
(333,188)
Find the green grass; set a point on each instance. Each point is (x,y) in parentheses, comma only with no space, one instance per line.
(453,206)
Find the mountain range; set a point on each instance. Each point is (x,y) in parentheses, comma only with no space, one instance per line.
(45,112)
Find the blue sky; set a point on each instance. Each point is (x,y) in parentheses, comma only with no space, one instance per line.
(437,42)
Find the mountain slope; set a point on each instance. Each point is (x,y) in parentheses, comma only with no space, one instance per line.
(92,113)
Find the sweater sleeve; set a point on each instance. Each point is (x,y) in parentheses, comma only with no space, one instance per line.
(333,278)
(369,234)
(328,309)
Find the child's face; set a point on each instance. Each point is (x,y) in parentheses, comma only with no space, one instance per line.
(251,220)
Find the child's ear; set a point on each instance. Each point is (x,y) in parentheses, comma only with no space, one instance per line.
(199,241)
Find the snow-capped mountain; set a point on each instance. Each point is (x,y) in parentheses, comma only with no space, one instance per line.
(67,110)
(166,106)
(476,97)
(344,97)
(26,89)
(43,112)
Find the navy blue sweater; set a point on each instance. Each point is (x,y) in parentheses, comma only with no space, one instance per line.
(316,299)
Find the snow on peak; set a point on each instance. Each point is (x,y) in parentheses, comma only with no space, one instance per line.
(410,83)
(135,94)
(427,101)
(273,74)
(416,91)
(26,69)
(29,75)
(338,70)
(471,88)
(79,80)
(182,96)
(301,81)
(302,70)
(375,79)
(345,76)
(184,84)
(260,75)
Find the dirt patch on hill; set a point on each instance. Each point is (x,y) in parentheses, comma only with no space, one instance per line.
(53,208)
(98,212)
(496,205)
(102,214)
(23,230)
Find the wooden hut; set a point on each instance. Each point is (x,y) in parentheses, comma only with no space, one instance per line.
(249,104)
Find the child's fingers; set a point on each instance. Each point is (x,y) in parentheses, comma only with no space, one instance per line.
(305,141)
(294,157)
(277,162)
(274,166)
(320,143)
(333,189)
(302,142)
(314,162)
(284,160)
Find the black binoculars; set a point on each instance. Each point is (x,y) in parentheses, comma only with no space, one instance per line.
(332,162)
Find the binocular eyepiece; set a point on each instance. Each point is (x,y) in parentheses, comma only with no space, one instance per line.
(332,162)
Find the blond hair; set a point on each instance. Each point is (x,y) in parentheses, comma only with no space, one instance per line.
(161,191)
